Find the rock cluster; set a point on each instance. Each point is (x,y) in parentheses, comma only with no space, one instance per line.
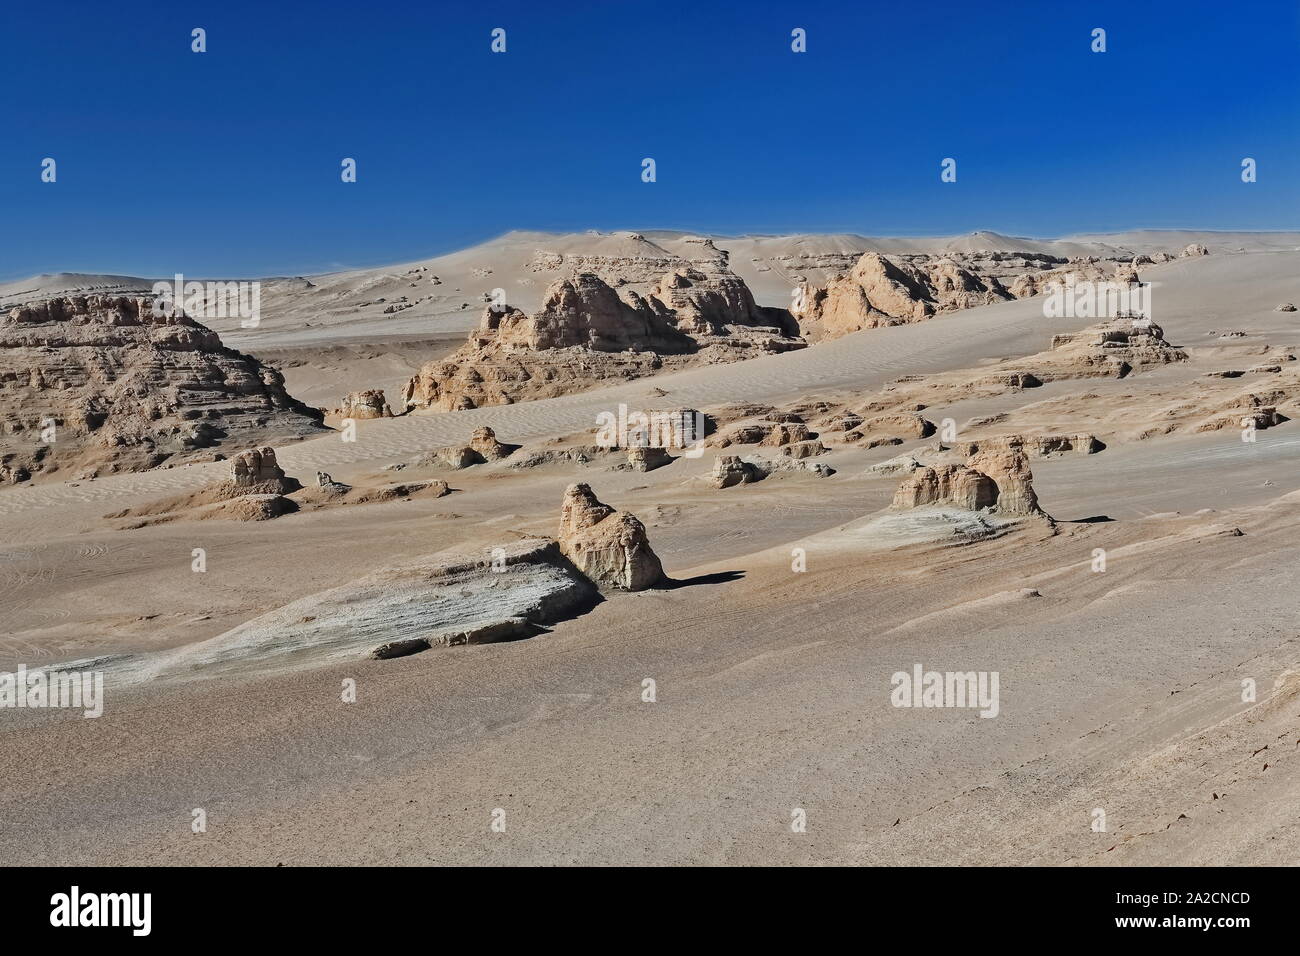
(587,331)
(729,470)
(100,384)
(892,290)
(881,291)
(609,547)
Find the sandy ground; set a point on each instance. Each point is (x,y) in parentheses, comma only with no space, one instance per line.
(1121,691)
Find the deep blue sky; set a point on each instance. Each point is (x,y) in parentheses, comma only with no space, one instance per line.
(227,162)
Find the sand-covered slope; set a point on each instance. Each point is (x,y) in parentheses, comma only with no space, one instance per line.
(1123,628)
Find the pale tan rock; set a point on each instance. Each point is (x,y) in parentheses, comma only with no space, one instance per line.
(483,448)
(729,470)
(127,390)
(256,471)
(895,467)
(893,426)
(1195,249)
(647,458)
(785,433)
(1009,469)
(365,404)
(587,331)
(432,488)
(954,485)
(609,547)
(876,292)
(804,449)
(744,434)
(999,479)
(881,291)
(1036,446)
(484,442)
(1111,349)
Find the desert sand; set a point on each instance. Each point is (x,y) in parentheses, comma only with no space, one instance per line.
(878,518)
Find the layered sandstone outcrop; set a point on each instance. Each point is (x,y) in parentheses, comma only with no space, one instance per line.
(954,485)
(1114,348)
(434,601)
(100,384)
(587,331)
(1036,446)
(609,547)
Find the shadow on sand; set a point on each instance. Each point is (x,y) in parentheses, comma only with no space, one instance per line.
(717,577)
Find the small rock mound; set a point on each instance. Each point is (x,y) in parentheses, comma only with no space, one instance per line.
(647,458)
(256,472)
(369,403)
(729,470)
(1285,307)
(484,443)
(253,508)
(483,448)
(609,547)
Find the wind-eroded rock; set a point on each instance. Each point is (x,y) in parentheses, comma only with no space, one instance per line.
(101,384)
(587,331)
(256,472)
(482,448)
(954,485)
(729,470)
(998,479)
(647,458)
(365,404)
(609,547)
(1114,348)
(439,600)
(879,291)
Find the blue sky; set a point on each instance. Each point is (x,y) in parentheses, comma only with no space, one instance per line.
(227,162)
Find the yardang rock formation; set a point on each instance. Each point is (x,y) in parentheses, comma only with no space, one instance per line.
(100,384)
